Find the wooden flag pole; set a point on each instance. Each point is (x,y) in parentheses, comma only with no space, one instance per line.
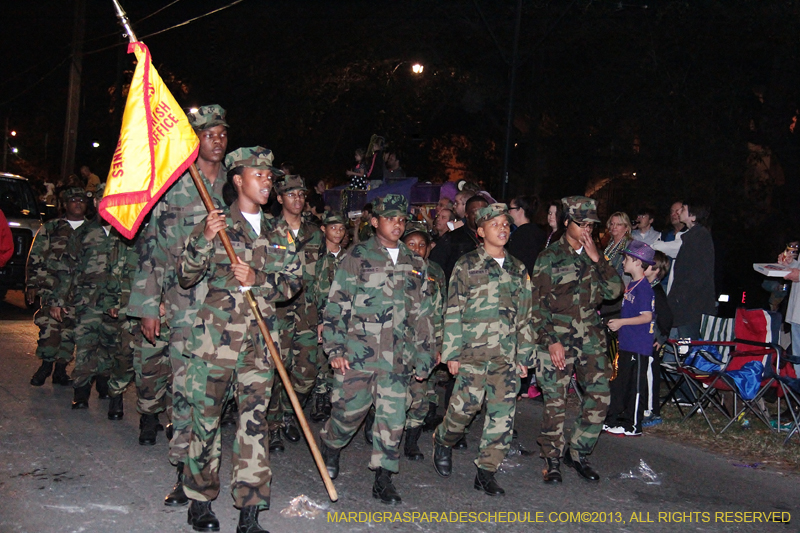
(262,326)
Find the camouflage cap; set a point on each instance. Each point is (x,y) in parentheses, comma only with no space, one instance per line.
(492,211)
(332,218)
(391,205)
(98,192)
(251,157)
(207,116)
(292,182)
(580,208)
(417,227)
(72,192)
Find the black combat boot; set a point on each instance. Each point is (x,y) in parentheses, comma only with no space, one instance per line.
(290,428)
(442,459)
(461,444)
(581,466)
(369,421)
(552,470)
(201,517)
(484,480)
(318,410)
(410,447)
(177,497)
(275,440)
(101,384)
(331,458)
(148,429)
(80,396)
(384,489)
(248,521)
(115,410)
(60,376)
(41,375)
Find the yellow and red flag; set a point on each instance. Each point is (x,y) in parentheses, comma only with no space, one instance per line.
(156,146)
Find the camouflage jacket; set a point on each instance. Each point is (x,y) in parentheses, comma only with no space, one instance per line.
(84,270)
(159,248)
(488,310)
(308,243)
(123,264)
(48,246)
(224,320)
(375,308)
(323,279)
(567,290)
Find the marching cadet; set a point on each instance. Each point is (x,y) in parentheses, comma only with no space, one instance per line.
(56,341)
(297,317)
(83,274)
(334,229)
(487,346)
(570,280)
(378,302)
(227,351)
(421,394)
(116,297)
(156,291)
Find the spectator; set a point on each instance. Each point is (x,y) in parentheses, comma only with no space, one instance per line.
(92,181)
(643,229)
(444,217)
(443,203)
(528,239)
(654,274)
(358,176)
(619,226)
(460,241)
(374,161)
(555,216)
(676,226)
(789,258)
(691,293)
(393,168)
(6,241)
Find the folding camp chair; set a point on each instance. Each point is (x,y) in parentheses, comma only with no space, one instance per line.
(712,328)
(751,347)
(790,390)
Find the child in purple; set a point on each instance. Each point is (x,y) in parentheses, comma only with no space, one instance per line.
(635,327)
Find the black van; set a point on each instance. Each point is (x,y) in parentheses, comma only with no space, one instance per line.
(22,211)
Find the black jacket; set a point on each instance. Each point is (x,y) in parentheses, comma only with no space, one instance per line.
(525,244)
(692,293)
(451,246)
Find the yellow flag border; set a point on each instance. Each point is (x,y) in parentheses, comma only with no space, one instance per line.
(143,196)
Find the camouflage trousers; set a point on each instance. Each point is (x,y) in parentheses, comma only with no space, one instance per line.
(323,384)
(181,414)
(210,386)
(353,394)
(122,358)
(151,365)
(496,381)
(420,395)
(300,348)
(592,372)
(56,339)
(96,338)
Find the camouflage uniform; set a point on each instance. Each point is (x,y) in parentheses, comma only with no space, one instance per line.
(117,294)
(324,270)
(375,308)
(297,318)
(487,330)
(56,341)
(422,393)
(228,355)
(155,281)
(567,290)
(83,272)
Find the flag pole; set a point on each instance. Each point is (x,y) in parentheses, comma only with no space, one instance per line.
(262,326)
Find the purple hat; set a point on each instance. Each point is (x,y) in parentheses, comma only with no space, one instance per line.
(640,250)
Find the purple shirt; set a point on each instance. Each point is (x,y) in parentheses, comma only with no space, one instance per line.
(638,298)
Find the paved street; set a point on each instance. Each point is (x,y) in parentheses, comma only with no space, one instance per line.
(65,471)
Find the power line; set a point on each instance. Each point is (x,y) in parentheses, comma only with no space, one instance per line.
(40,80)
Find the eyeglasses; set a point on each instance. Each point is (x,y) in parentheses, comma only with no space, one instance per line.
(294,195)
(78,199)
(513,207)
(584,225)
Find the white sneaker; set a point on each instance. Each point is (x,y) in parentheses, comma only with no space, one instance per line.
(614,430)
(633,433)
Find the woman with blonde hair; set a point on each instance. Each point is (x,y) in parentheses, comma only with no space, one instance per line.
(619,227)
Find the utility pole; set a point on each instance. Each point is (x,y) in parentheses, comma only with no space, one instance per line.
(74,98)
(5,145)
(510,122)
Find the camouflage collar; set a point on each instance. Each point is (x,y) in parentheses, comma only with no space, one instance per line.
(484,255)
(240,223)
